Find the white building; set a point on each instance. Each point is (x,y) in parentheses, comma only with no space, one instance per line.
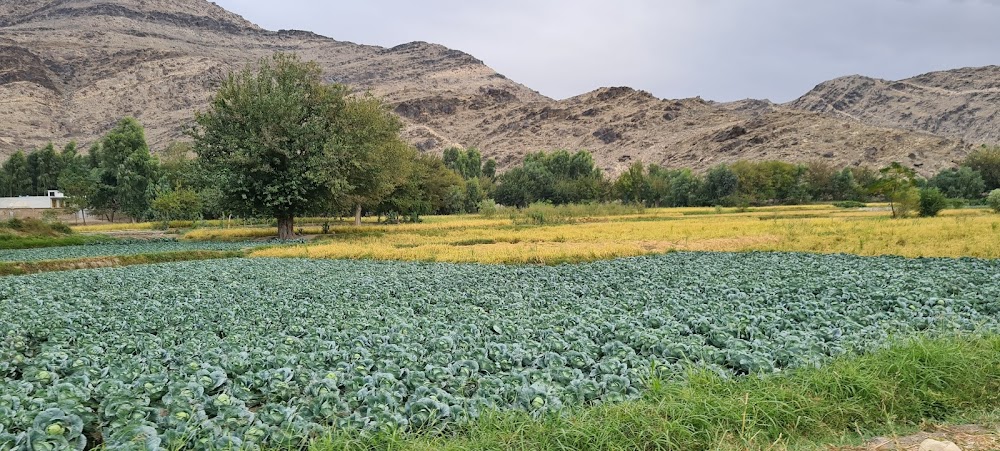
(53,199)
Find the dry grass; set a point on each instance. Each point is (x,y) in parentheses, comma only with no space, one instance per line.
(114,227)
(957,233)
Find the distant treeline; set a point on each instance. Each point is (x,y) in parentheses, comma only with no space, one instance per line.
(561,177)
(119,176)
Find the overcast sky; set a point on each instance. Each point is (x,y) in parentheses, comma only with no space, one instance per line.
(718,49)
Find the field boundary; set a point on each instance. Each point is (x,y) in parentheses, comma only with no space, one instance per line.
(845,402)
(22,268)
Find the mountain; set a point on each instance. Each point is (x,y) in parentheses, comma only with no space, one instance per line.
(961,103)
(69,69)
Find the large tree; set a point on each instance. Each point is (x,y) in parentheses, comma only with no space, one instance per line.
(898,184)
(125,173)
(75,179)
(17,180)
(284,144)
(376,159)
(44,166)
(986,160)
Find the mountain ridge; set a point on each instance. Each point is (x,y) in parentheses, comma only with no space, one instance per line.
(73,67)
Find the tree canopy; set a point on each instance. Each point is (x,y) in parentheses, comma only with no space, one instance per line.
(284,143)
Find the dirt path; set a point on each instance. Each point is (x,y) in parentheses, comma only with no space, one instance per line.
(967,437)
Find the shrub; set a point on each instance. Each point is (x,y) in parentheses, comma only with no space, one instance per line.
(850,204)
(61,227)
(932,201)
(15,223)
(904,202)
(488,208)
(993,200)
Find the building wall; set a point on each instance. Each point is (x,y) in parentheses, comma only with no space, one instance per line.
(32,202)
(38,213)
(26,202)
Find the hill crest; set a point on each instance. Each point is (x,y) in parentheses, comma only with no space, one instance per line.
(70,68)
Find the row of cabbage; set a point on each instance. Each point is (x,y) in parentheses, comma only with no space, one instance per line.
(258,352)
(119,248)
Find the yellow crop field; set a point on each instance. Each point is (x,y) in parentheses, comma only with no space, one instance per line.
(822,229)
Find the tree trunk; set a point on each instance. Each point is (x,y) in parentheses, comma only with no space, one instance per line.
(286,228)
(357,214)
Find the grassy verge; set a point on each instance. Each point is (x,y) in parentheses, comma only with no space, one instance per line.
(35,242)
(889,390)
(34,233)
(20,268)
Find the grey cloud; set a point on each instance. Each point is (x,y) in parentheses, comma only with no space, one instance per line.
(717,49)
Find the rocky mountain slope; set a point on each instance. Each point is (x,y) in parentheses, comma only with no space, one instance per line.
(960,103)
(70,68)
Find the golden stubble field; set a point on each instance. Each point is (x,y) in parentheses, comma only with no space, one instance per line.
(821,229)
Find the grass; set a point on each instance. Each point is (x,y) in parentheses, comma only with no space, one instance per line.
(36,242)
(33,233)
(32,267)
(925,379)
(812,228)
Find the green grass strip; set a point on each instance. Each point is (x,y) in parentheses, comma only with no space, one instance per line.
(913,381)
(36,242)
(21,268)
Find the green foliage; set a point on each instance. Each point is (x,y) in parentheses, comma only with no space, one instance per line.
(557,177)
(124,177)
(16,178)
(467,163)
(681,187)
(283,143)
(357,347)
(540,213)
(490,169)
(18,233)
(75,178)
(488,208)
(377,160)
(897,184)
(959,183)
(8,241)
(932,201)
(44,167)
(852,398)
(906,202)
(720,186)
(993,200)
(770,182)
(107,247)
(270,137)
(633,187)
(177,204)
(34,267)
(986,161)
(669,187)
(474,194)
(429,188)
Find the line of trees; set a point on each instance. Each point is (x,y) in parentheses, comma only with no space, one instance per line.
(560,177)
(279,142)
(119,176)
(276,142)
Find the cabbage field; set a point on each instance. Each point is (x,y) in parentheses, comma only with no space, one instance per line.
(120,248)
(247,352)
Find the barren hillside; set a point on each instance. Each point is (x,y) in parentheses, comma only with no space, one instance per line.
(70,68)
(961,103)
